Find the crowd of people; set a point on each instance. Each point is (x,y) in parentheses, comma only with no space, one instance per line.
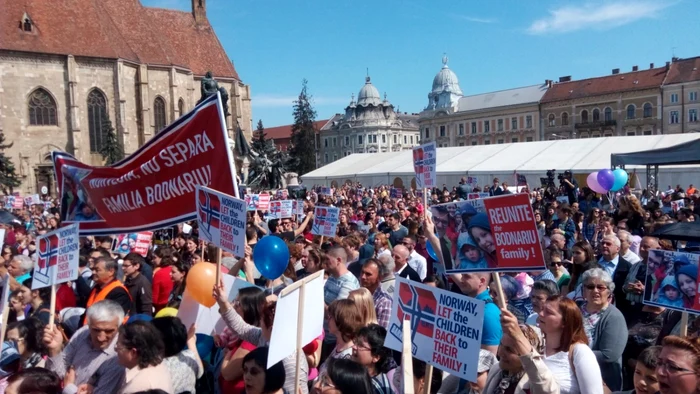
(579,325)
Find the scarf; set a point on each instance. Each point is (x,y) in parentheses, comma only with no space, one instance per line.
(508,380)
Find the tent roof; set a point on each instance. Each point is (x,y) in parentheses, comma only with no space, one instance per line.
(580,155)
(683,153)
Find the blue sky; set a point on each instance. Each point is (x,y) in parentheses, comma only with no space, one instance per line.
(492,45)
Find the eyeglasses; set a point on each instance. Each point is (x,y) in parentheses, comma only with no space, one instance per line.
(358,347)
(671,368)
(556,263)
(125,266)
(599,287)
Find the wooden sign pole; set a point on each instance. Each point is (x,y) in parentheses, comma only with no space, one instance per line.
(407,359)
(300,327)
(218,264)
(684,324)
(52,309)
(428,379)
(501,298)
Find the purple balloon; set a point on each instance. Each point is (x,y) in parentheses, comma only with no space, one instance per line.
(592,182)
(606,179)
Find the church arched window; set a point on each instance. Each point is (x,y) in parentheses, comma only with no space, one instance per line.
(97,116)
(159,113)
(42,109)
(181,106)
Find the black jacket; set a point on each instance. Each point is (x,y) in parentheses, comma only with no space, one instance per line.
(141,292)
(619,277)
(410,273)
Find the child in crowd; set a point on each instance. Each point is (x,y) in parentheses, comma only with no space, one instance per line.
(645,380)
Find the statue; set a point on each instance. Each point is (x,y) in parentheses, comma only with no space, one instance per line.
(209,86)
(268,168)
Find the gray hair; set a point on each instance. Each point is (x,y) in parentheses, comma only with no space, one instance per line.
(381,267)
(548,286)
(110,264)
(557,236)
(105,311)
(624,234)
(25,263)
(613,238)
(388,262)
(601,274)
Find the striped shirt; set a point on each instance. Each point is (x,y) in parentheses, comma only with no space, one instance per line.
(382,306)
(100,368)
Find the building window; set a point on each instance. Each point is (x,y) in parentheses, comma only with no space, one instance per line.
(359,140)
(159,113)
(513,123)
(383,138)
(487,126)
(552,120)
(473,127)
(42,109)
(97,115)
(347,140)
(674,97)
(461,129)
(374,138)
(528,139)
(673,118)
(583,135)
(335,157)
(461,144)
(608,114)
(325,143)
(647,110)
(325,157)
(395,139)
(500,124)
(487,142)
(528,121)
(405,139)
(500,140)
(564,119)
(631,111)
(596,115)
(335,142)
(474,143)
(181,106)
(427,133)
(442,131)
(693,96)
(27,25)
(411,138)
(631,133)
(515,139)
(692,115)
(647,132)
(584,116)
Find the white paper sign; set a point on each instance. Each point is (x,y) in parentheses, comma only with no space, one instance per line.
(325,221)
(205,319)
(222,220)
(287,323)
(425,165)
(446,327)
(57,257)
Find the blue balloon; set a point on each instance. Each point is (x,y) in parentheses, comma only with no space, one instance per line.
(606,179)
(271,256)
(431,251)
(621,178)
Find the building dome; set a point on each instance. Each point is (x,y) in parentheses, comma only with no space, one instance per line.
(369,95)
(446,80)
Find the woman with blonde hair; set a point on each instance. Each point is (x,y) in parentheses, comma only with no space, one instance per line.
(381,245)
(364,301)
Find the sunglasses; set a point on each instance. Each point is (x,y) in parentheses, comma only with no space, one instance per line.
(599,287)
(556,263)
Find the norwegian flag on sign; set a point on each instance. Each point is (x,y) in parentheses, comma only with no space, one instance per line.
(209,210)
(48,252)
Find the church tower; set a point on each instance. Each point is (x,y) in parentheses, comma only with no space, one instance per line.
(199,10)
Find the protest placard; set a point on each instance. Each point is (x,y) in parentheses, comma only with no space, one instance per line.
(446,327)
(677,205)
(155,186)
(298,207)
(425,165)
(57,257)
(325,221)
(490,234)
(472,181)
(17,202)
(251,201)
(205,319)
(134,242)
(325,191)
(395,193)
(263,202)
(672,280)
(478,195)
(222,220)
(4,304)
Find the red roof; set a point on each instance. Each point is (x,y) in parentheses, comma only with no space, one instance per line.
(684,70)
(282,132)
(115,29)
(636,80)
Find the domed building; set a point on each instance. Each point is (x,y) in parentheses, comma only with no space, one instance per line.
(369,125)
(446,91)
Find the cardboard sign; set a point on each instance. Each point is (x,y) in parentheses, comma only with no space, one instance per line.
(222,220)
(280,209)
(17,202)
(671,280)
(491,234)
(134,242)
(263,202)
(298,207)
(395,193)
(58,253)
(425,165)
(563,199)
(325,191)
(476,196)
(251,201)
(446,327)
(677,205)
(154,187)
(205,319)
(282,194)
(34,199)
(325,221)
(472,181)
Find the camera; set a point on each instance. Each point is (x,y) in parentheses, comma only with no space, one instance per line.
(550,174)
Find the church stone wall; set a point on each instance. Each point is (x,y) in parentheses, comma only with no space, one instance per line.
(158,85)
(128,78)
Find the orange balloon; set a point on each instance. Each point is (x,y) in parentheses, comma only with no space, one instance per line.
(200,283)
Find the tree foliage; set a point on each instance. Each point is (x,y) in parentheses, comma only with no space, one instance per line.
(112,150)
(259,142)
(8,176)
(303,152)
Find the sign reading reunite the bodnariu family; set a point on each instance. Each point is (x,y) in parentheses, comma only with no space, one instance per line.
(491,234)
(222,220)
(446,327)
(154,187)
(325,221)
(58,253)
(425,165)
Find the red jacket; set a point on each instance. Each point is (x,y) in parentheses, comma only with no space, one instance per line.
(65,298)
(162,286)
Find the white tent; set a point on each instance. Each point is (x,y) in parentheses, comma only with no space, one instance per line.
(485,162)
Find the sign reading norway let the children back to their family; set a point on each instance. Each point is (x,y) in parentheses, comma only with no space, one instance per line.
(446,327)
(222,220)
(58,253)
(490,234)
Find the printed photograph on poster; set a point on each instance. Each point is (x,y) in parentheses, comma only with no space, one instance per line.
(222,220)
(446,327)
(58,253)
(425,165)
(476,196)
(491,234)
(677,205)
(395,193)
(672,280)
(134,242)
(252,202)
(325,221)
(76,204)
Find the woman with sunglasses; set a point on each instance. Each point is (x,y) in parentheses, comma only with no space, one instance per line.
(604,325)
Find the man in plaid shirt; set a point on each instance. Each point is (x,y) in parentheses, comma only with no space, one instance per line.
(370,278)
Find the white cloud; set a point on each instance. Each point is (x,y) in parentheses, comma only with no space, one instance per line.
(600,16)
(474,19)
(271,100)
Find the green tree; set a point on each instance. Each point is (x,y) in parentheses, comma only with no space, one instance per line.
(8,177)
(303,133)
(259,143)
(112,150)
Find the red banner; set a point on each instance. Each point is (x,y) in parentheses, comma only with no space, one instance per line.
(154,187)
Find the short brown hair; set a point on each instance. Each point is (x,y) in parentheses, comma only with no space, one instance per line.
(347,318)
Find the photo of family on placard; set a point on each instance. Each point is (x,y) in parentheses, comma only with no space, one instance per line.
(672,279)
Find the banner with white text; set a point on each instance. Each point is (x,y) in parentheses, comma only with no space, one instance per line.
(154,187)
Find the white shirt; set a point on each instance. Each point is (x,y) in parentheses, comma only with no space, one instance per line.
(587,378)
(419,264)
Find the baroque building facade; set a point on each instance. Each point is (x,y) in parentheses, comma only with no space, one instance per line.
(68,67)
(369,125)
(681,93)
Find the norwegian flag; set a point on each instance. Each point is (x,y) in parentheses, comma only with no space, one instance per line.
(209,210)
(520,179)
(48,252)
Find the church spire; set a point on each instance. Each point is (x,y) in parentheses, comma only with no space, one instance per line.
(199,11)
